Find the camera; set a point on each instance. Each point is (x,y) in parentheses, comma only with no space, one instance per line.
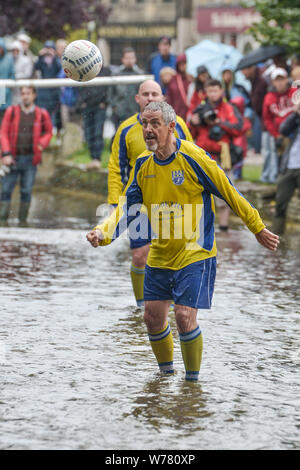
(216,133)
(209,115)
(4,170)
(206,114)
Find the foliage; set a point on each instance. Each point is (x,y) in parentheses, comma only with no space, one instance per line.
(280,23)
(45,19)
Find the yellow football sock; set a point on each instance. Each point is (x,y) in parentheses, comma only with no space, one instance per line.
(163,348)
(137,280)
(191,348)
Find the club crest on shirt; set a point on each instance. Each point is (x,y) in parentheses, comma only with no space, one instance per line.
(178,177)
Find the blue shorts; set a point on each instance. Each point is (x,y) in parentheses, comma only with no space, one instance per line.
(192,286)
(138,243)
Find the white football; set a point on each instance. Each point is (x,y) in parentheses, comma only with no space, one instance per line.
(81,60)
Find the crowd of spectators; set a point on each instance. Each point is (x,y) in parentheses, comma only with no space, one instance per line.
(225,118)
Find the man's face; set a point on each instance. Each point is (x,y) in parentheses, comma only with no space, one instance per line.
(280,84)
(149,91)
(15,53)
(25,45)
(156,132)
(248,72)
(27,96)
(129,60)
(214,93)
(164,48)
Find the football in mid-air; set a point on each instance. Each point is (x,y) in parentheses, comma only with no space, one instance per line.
(81,60)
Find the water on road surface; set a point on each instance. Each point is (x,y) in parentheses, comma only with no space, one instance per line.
(77,370)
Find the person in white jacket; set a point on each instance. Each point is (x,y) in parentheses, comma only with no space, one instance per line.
(23,67)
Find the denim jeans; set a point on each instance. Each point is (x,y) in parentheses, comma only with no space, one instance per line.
(93,121)
(269,153)
(26,171)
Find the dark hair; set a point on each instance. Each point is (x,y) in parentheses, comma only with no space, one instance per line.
(29,86)
(126,50)
(165,39)
(213,82)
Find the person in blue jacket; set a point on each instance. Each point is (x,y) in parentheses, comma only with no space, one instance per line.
(6,72)
(162,58)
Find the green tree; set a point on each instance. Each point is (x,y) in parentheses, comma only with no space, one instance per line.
(280,23)
(45,19)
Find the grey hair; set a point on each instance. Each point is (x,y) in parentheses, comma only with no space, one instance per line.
(167,111)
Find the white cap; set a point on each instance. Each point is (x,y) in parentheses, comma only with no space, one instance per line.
(16,45)
(278,72)
(24,37)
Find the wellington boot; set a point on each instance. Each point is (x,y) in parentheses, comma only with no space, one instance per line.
(278,225)
(4,212)
(23,213)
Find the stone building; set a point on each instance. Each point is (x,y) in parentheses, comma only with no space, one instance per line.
(140,23)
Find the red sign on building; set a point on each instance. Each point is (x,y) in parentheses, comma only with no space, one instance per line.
(226,20)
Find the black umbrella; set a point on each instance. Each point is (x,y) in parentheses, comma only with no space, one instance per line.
(261,54)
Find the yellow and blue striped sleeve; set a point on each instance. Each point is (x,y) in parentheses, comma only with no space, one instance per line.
(214,180)
(124,214)
(183,130)
(118,165)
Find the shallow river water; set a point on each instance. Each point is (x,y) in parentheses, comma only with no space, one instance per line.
(77,370)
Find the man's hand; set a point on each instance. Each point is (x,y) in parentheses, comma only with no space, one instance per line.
(8,160)
(95,237)
(268,239)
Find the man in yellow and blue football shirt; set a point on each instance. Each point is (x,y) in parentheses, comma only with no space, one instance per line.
(127,145)
(172,184)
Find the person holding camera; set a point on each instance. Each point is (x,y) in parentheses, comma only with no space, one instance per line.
(216,123)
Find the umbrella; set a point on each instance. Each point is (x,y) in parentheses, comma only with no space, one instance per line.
(259,55)
(215,56)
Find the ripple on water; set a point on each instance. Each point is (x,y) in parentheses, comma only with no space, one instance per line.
(78,372)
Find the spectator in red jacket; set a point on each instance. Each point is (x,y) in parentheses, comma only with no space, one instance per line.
(217,123)
(277,105)
(178,88)
(25,131)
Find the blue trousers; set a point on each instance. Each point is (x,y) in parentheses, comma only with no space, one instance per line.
(26,171)
(93,121)
(269,153)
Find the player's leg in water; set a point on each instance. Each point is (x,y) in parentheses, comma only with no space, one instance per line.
(137,272)
(160,335)
(190,340)
(193,288)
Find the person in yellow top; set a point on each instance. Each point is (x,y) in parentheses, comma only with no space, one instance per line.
(172,187)
(127,145)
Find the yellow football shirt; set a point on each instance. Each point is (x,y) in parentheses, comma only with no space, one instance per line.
(176,197)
